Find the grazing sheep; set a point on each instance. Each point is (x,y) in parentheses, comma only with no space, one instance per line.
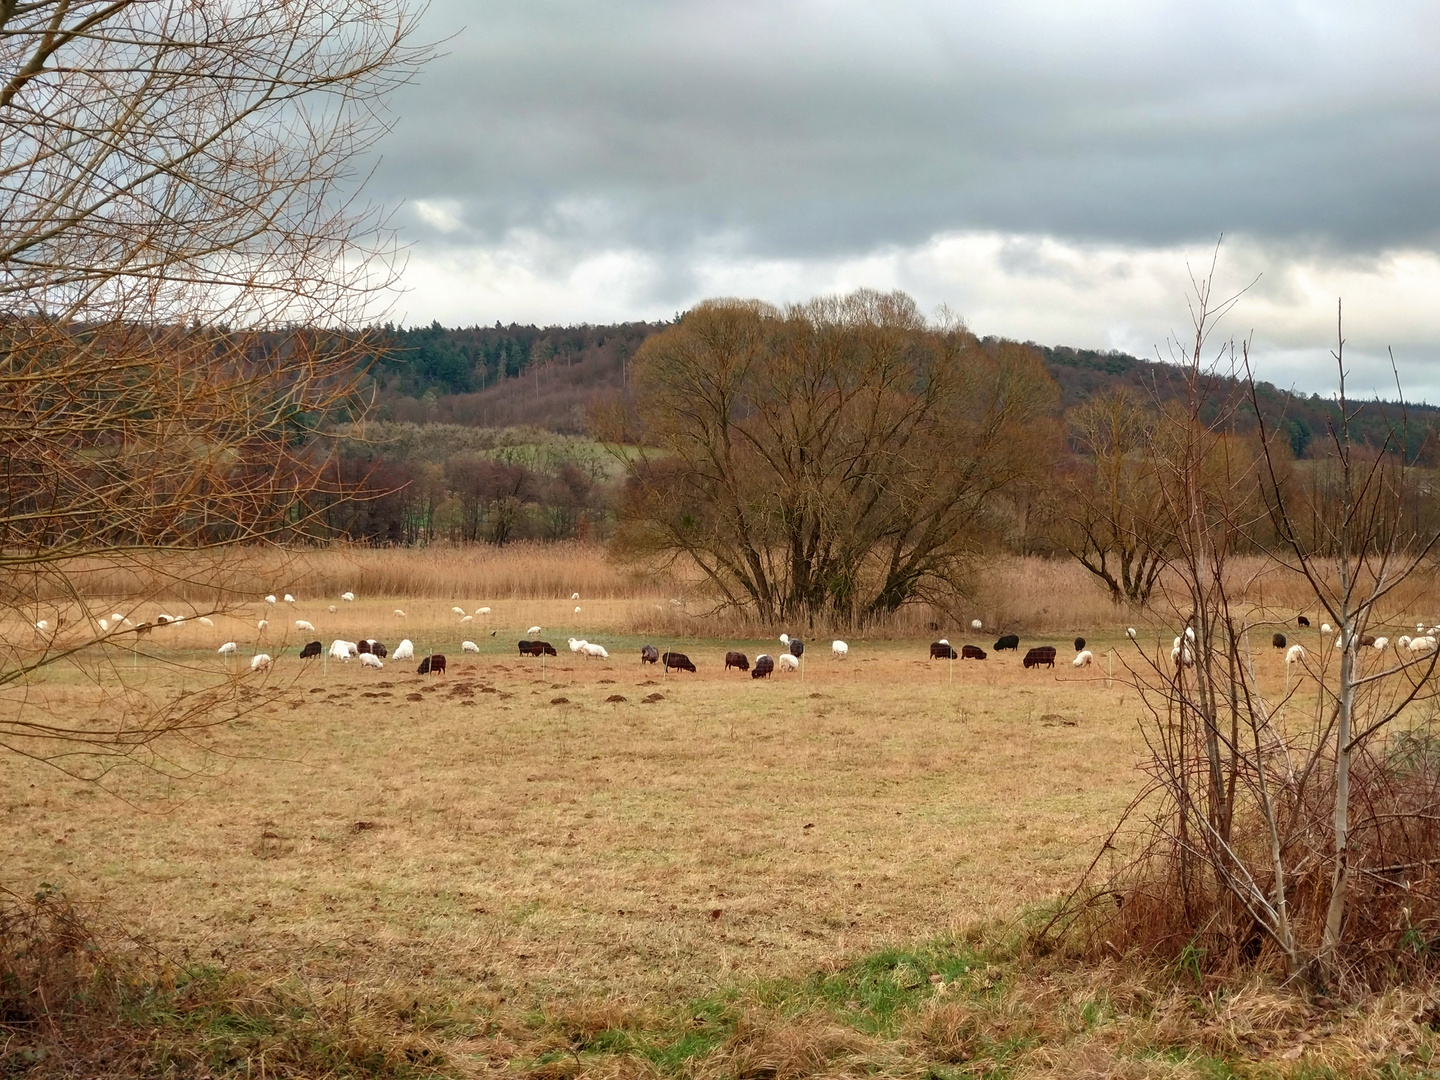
(1302,621)
(348,597)
(789,662)
(542,648)
(261,625)
(482,611)
(340,650)
(288,598)
(1040,656)
(1084,659)
(592,651)
(1423,644)
(575,644)
(797,648)
(1325,628)
(1079,644)
(533,630)
(371,660)
(574,596)
(785,640)
(839,650)
(469,646)
(405,650)
(1278,641)
(332,609)
(649,654)
(677,660)
(270,599)
(301,624)
(228,649)
(117,619)
(524,647)
(467,618)
(105,626)
(206,622)
(1189,633)
(1294,653)
(1367,640)
(362,647)
(432,665)
(375,647)
(941,650)
(976,624)
(1130,632)
(577,611)
(736,660)
(972,652)
(1179,657)
(1380,644)
(260,662)
(398,613)
(764,665)
(1009,641)
(457,611)
(313,649)
(1403,642)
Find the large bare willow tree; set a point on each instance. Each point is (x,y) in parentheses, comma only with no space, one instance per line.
(833,460)
(182,259)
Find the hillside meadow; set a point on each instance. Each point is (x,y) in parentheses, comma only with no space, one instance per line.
(593,868)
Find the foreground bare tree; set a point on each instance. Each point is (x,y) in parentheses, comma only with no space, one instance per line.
(1289,827)
(179,198)
(837,459)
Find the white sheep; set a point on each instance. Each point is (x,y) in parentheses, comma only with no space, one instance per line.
(399,614)
(301,624)
(228,649)
(288,598)
(1130,632)
(404,651)
(1083,658)
(204,621)
(1325,628)
(785,639)
(178,619)
(457,611)
(1187,658)
(1403,642)
(839,649)
(260,662)
(575,596)
(482,611)
(371,660)
(270,599)
(469,646)
(577,609)
(1294,653)
(1423,644)
(1380,643)
(340,650)
(533,630)
(262,624)
(467,618)
(348,597)
(976,624)
(788,663)
(332,609)
(104,626)
(590,649)
(576,644)
(118,619)
(1189,633)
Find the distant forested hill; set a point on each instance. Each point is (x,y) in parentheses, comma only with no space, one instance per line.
(513,376)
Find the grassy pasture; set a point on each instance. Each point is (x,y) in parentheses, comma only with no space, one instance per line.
(506,844)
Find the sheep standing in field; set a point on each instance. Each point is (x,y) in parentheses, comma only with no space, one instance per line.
(592,651)
(433,664)
(482,611)
(1302,621)
(575,596)
(1130,632)
(405,650)
(260,662)
(533,630)
(1380,644)
(1278,641)
(577,610)
(649,654)
(311,650)
(261,625)
(677,660)
(736,660)
(1294,653)
(301,624)
(228,649)
(270,599)
(1425,644)
(764,665)
(398,613)
(941,650)
(457,611)
(341,650)
(1403,642)
(288,598)
(370,660)
(1084,659)
(971,652)
(469,646)
(839,650)
(348,597)
(1325,628)
(1079,644)
(575,644)
(206,622)
(789,662)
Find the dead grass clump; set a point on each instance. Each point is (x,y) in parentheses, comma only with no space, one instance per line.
(71,1005)
(768,1047)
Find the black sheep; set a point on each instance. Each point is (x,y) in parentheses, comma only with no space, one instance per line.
(1278,641)
(1040,656)
(1009,641)
(1302,621)
(524,648)
(941,650)
(972,652)
(677,660)
(797,648)
(311,650)
(432,665)
(736,660)
(649,654)
(1079,643)
(764,665)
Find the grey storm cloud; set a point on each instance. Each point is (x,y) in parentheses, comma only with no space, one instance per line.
(818,128)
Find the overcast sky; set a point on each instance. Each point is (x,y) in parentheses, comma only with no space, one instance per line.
(1048,170)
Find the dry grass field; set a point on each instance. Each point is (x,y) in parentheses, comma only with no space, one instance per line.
(505,863)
